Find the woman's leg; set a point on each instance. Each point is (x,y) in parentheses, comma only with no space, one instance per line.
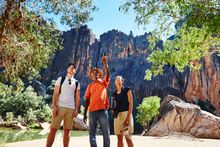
(120,141)
(129,141)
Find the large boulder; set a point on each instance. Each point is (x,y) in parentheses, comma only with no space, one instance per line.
(78,123)
(179,116)
(44,125)
(19,126)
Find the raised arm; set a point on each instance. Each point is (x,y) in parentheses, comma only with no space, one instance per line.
(104,61)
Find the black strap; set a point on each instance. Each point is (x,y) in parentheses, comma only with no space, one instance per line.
(76,86)
(61,83)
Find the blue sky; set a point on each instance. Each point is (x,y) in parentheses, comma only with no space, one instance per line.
(108,17)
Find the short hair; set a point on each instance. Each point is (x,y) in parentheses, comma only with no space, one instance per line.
(119,76)
(71,64)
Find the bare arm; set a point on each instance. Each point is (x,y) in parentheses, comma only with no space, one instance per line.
(87,102)
(55,98)
(77,100)
(104,61)
(130,108)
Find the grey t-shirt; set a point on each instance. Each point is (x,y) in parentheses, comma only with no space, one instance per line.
(67,96)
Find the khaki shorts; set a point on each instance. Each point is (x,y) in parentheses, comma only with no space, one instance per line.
(118,123)
(65,114)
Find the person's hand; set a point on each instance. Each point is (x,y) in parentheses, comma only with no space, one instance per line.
(104,59)
(85,118)
(112,112)
(126,122)
(75,113)
(54,114)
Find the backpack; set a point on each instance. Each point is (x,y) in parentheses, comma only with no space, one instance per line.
(61,83)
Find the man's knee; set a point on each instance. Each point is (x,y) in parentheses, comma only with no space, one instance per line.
(53,131)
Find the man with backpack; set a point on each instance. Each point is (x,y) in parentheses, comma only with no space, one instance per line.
(66,102)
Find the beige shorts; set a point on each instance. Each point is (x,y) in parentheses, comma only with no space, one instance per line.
(118,123)
(65,114)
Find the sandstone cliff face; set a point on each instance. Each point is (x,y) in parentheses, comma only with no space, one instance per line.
(206,83)
(80,47)
(127,57)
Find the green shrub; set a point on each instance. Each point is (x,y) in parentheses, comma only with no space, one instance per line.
(147,110)
(30,116)
(26,106)
(44,114)
(9,116)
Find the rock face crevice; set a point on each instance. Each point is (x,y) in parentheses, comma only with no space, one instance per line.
(127,57)
(179,116)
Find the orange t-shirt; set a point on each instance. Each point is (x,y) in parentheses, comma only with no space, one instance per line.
(97,93)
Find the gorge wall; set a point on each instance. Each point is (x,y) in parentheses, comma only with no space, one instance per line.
(127,57)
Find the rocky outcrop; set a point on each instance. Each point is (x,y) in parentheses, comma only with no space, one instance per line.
(178,116)
(78,124)
(13,124)
(44,125)
(127,57)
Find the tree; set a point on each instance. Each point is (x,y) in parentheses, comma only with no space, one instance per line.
(197,31)
(26,105)
(27,40)
(147,110)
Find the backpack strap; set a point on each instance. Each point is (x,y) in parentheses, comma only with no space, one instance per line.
(76,86)
(76,82)
(61,83)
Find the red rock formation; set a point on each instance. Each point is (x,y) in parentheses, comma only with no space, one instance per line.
(205,84)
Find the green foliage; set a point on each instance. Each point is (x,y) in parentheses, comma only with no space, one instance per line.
(27,41)
(30,116)
(197,31)
(44,114)
(147,110)
(49,96)
(26,105)
(9,116)
(72,13)
(27,49)
(165,12)
(21,120)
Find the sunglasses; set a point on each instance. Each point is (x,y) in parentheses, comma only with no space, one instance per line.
(69,81)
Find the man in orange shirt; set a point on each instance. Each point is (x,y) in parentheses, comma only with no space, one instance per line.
(97,101)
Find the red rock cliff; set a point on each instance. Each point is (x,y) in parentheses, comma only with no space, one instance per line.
(205,84)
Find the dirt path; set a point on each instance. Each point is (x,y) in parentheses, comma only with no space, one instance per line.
(139,141)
